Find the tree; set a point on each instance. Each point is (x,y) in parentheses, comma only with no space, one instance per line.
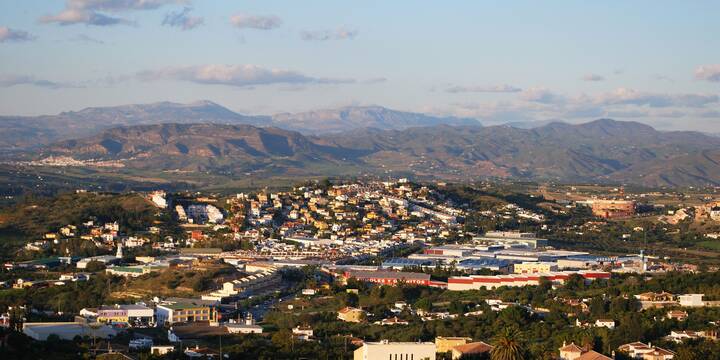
(94,266)
(508,345)
(456,307)
(424,304)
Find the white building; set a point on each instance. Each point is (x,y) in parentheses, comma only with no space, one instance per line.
(691,300)
(247,327)
(608,323)
(396,350)
(158,198)
(66,330)
(162,349)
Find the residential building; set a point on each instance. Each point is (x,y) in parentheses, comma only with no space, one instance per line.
(678,315)
(351,314)
(161,349)
(303,332)
(445,344)
(638,350)
(247,327)
(574,352)
(471,349)
(608,323)
(570,352)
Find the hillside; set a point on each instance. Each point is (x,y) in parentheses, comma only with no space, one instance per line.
(599,151)
(200,147)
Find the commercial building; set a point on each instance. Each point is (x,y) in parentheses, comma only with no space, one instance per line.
(451,250)
(474,282)
(67,330)
(535,267)
(400,263)
(511,238)
(131,313)
(493,264)
(613,209)
(395,350)
(389,277)
(186,310)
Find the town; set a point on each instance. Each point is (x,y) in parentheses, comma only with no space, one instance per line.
(363,270)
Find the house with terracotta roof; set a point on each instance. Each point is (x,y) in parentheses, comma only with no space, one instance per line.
(592,355)
(679,315)
(392,321)
(351,314)
(574,352)
(446,343)
(473,348)
(570,351)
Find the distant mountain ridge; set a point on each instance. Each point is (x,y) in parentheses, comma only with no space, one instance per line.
(604,150)
(18,132)
(357,117)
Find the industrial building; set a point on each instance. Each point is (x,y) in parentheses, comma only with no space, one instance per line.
(511,238)
(475,282)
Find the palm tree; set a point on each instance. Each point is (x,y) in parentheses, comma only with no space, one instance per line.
(508,345)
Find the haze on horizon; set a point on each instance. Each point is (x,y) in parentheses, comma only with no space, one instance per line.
(656,62)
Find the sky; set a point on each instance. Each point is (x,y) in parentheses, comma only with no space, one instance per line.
(657,62)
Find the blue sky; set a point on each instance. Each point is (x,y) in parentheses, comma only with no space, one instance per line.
(652,61)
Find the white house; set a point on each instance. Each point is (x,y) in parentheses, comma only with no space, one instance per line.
(608,323)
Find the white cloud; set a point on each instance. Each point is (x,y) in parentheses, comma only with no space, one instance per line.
(236,75)
(624,96)
(483,89)
(259,22)
(708,72)
(182,19)
(7,35)
(324,35)
(536,104)
(593,77)
(88,12)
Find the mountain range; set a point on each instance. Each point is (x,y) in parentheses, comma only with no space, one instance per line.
(599,151)
(20,132)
